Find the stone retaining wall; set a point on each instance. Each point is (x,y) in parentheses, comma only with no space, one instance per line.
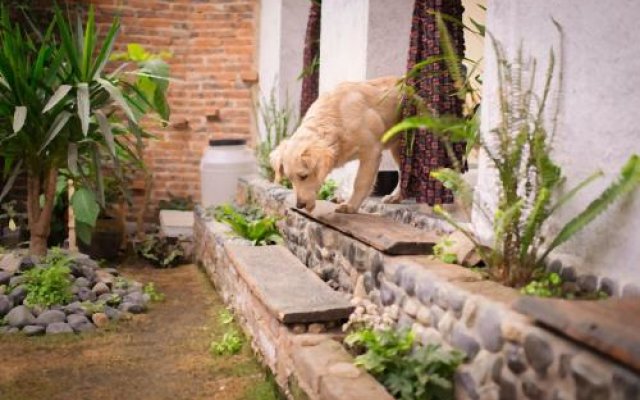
(508,356)
(306,365)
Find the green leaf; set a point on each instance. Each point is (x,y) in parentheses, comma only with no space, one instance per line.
(19,117)
(84,232)
(107,48)
(85,206)
(136,52)
(58,95)
(56,127)
(116,96)
(627,181)
(105,129)
(84,106)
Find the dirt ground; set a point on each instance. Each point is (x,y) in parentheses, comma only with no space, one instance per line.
(163,354)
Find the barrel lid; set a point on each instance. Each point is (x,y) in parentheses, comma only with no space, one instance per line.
(227,142)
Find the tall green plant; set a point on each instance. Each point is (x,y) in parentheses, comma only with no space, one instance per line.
(279,125)
(530,182)
(59,107)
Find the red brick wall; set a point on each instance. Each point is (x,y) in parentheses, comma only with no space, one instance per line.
(214,62)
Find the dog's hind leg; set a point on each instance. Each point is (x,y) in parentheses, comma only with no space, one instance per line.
(363,184)
(396,195)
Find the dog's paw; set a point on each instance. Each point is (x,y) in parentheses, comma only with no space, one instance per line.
(346,208)
(392,199)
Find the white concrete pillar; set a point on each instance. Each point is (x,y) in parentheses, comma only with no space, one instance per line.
(283,26)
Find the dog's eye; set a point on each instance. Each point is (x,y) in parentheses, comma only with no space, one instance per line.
(303,177)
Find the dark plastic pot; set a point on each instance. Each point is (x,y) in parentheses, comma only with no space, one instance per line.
(385,183)
(105,240)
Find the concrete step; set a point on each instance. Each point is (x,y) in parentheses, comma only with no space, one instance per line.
(382,233)
(287,288)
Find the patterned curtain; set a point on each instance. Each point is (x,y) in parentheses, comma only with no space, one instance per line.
(311,61)
(436,88)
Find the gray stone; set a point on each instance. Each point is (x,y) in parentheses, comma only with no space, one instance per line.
(86,294)
(508,389)
(74,308)
(609,286)
(387,295)
(488,327)
(5,305)
(28,263)
(456,300)
(428,336)
(17,280)
(555,266)
(588,283)
(445,324)
(368,282)
(132,308)
(9,329)
(538,352)
(631,290)
(410,307)
(425,290)
(58,327)
(405,321)
(591,379)
(18,294)
(564,365)
(82,282)
(469,312)
(436,315)
(442,298)
(465,381)
(568,274)
(33,330)
(560,395)
(88,272)
(465,342)
(496,370)
(19,316)
(377,267)
(532,391)
(515,358)
(112,313)
(408,280)
(5,277)
(79,323)
(626,385)
(100,288)
(50,316)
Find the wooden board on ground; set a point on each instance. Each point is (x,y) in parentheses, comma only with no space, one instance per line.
(610,326)
(382,233)
(290,291)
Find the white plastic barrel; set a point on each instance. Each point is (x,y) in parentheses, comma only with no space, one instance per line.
(224,161)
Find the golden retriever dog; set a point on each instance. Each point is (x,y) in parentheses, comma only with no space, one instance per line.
(342,125)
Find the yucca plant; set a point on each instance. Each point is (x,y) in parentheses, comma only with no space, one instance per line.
(279,125)
(530,182)
(59,107)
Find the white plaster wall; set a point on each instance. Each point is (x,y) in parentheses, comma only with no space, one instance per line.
(281,46)
(597,129)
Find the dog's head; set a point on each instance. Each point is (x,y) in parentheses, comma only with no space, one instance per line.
(306,161)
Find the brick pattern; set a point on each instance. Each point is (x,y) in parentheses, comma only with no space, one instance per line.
(213,45)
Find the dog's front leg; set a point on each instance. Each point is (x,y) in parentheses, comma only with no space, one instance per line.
(367,170)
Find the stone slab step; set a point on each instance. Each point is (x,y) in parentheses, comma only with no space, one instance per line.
(610,326)
(382,233)
(290,291)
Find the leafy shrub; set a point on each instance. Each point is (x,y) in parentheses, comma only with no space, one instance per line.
(259,229)
(423,373)
(160,250)
(49,282)
(550,284)
(225,317)
(154,294)
(230,344)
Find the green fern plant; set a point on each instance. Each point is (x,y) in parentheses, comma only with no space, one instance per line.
(259,229)
(529,180)
(278,123)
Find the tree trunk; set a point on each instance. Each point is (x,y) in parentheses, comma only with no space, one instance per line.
(40,217)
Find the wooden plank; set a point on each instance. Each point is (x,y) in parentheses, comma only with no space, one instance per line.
(290,291)
(382,233)
(610,326)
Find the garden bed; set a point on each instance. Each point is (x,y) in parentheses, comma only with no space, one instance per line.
(295,334)
(63,293)
(507,354)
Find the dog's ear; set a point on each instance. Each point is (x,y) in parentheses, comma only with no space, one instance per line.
(275,159)
(322,157)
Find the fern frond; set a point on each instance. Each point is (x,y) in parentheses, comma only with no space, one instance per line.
(627,181)
(534,221)
(454,181)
